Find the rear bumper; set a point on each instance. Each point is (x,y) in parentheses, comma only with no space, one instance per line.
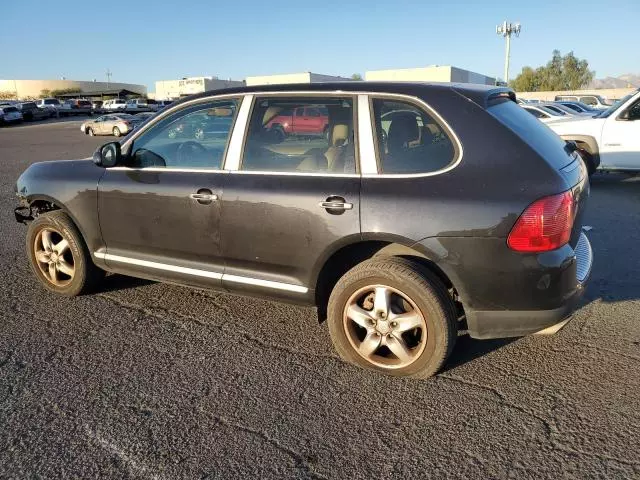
(484,324)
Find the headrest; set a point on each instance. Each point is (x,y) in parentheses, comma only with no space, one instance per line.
(402,131)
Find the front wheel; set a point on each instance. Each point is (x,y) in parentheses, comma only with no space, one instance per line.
(59,257)
(116,132)
(90,132)
(393,316)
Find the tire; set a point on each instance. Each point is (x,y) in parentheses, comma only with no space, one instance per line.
(418,287)
(90,132)
(588,161)
(116,132)
(86,276)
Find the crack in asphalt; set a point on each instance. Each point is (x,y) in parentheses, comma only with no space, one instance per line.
(226,328)
(550,427)
(134,465)
(301,462)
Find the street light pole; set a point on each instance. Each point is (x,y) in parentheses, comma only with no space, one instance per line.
(506,30)
(108,77)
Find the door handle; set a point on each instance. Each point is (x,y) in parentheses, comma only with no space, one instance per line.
(204,196)
(336,205)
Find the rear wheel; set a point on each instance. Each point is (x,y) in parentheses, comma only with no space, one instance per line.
(59,257)
(393,316)
(116,132)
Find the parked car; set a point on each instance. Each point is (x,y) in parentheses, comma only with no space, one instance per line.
(30,111)
(116,124)
(147,104)
(611,140)
(543,113)
(579,107)
(75,106)
(594,101)
(96,105)
(52,105)
(399,240)
(163,103)
(309,120)
(114,104)
(214,123)
(10,114)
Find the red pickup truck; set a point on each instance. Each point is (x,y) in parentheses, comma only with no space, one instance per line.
(301,121)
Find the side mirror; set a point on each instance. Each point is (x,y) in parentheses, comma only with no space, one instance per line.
(108,155)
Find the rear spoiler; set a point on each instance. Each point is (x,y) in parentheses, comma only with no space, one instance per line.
(500,96)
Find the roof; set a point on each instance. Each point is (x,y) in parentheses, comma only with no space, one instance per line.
(475,92)
(98,93)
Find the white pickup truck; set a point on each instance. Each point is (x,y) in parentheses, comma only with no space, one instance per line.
(609,140)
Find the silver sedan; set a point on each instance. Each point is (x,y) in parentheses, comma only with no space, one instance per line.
(116,124)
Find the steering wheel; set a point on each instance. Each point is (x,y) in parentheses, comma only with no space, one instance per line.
(189,151)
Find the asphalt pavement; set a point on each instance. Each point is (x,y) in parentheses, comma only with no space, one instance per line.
(145,380)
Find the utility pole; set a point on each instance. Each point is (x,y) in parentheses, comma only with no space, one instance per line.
(506,30)
(108,77)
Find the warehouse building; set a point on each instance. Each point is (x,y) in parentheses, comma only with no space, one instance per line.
(433,73)
(35,88)
(303,77)
(171,89)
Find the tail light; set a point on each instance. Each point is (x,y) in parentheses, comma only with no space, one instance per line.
(545,225)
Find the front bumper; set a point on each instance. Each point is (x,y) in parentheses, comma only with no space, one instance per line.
(484,324)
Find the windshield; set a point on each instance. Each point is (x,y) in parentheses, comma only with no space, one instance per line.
(613,108)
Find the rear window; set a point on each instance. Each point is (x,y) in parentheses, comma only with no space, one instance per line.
(532,131)
(29,105)
(9,109)
(52,101)
(84,103)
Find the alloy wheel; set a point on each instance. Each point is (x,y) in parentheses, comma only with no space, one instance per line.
(385,326)
(54,257)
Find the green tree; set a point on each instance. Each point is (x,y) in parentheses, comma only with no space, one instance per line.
(7,95)
(62,91)
(560,73)
(356,76)
(45,93)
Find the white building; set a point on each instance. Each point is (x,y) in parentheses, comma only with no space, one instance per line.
(303,77)
(433,73)
(170,89)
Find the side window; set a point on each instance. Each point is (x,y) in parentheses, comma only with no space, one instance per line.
(535,113)
(634,111)
(325,145)
(299,112)
(409,140)
(195,137)
(588,101)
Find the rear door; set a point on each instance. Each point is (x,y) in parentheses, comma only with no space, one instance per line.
(284,210)
(160,213)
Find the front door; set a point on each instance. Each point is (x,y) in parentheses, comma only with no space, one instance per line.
(160,212)
(621,139)
(291,202)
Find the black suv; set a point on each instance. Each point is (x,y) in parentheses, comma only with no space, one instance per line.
(425,209)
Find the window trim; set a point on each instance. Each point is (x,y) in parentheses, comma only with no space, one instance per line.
(131,141)
(421,105)
(364,129)
(355,118)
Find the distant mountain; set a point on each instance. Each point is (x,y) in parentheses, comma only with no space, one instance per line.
(628,80)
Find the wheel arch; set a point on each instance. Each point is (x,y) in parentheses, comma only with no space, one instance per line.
(587,142)
(44,203)
(345,257)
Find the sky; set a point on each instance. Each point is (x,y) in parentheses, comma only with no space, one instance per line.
(142,41)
